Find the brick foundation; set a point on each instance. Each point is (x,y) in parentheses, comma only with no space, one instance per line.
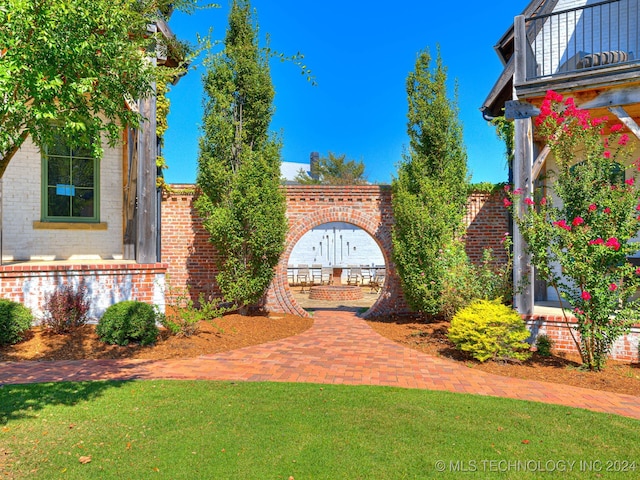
(626,349)
(106,283)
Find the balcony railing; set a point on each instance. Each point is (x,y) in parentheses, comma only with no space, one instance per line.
(592,37)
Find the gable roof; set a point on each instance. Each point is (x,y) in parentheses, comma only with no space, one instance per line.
(502,90)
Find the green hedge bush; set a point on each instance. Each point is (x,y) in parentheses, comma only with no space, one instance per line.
(489,330)
(15,320)
(128,321)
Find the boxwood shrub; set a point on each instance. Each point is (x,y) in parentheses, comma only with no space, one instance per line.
(15,320)
(490,330)
(128,322)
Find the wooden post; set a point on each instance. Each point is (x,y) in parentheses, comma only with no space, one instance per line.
(146,214)
(522,164)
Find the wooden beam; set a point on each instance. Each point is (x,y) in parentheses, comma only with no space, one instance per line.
(625,118)
(539,162)
(516,109)
(618,97)
(146,218)
(522,168)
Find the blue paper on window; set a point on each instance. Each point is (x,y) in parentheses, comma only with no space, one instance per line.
(66,190)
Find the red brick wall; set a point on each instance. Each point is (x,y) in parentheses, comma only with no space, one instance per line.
(626,348)
(487,222)
(185,245)
(190,257)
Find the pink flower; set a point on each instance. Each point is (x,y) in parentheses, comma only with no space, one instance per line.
(562,224)
(593,207)
(624,139)
(507,202)
(528,201)
(638,271)
(507,188)
(607,154)
(586,296)
(577,311)
(616,128)
(629,181)
(577,221)
(613,242)
(597,241)
(607,210)
(543,201)
(613,287)
(517,191)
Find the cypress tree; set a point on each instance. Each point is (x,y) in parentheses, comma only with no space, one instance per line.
(242,204)
(430,192)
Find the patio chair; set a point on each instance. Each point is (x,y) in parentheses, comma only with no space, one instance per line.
(304,277)
(377,282)
(316,274)
(366,274)
(355,274)
(327,276)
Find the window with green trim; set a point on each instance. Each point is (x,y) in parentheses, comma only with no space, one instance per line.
(70,183)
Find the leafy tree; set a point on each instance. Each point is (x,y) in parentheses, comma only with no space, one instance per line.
(430,193)
(579,243)
(333,170)
(74,62)
(239,165)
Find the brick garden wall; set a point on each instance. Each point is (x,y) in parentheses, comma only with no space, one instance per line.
(190,257)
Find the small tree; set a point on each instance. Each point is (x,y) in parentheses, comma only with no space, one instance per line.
(239,166)
(333,170)
(579,243)
(430,193)
(74,62)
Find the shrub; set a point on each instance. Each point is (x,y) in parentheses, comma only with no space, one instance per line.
(544,344)
(183,316)
(488,329)
(128,321)
(66,309)
(15,319)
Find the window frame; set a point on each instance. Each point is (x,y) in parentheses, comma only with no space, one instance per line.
(44,197)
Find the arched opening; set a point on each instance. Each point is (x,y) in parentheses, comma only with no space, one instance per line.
(336,265)
(283,296)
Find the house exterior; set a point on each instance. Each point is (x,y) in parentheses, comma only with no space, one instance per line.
(585,49)
(67,217)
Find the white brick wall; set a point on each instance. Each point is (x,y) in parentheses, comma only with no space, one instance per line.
(21,206)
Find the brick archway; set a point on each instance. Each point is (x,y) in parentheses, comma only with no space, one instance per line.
(367,207)
(190,257)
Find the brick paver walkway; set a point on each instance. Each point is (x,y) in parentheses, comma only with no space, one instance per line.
(339,348)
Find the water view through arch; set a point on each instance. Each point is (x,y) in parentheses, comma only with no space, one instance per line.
(336,265)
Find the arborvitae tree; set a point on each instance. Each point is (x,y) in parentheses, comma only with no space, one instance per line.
(430,193)
(239,165)
(334,170)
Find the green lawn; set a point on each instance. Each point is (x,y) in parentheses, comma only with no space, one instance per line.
(213,430)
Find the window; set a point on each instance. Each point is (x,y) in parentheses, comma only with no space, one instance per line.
(70,184)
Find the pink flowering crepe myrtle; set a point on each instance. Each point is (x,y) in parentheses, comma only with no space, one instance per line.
(580,246)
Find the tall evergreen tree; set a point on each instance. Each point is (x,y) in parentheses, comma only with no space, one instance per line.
(239,165)
(430,193)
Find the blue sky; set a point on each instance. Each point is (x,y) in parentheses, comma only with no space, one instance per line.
(360,54)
